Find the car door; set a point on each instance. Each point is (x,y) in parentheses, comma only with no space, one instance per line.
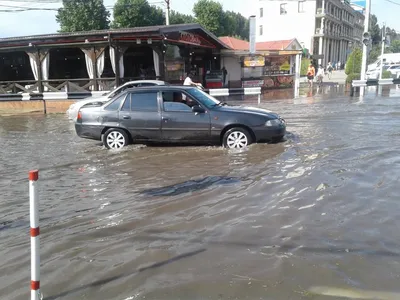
(140,114)
(179,123)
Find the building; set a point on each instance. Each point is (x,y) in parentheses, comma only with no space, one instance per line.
(324,27)
(276,64)
(102,59)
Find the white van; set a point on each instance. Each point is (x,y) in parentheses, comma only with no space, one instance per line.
(388,58)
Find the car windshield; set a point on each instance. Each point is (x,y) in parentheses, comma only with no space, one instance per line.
(204,98)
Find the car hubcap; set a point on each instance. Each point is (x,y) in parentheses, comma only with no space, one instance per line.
(115,140)
(237,140)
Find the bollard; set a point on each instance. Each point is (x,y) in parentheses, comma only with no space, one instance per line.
(35,245)
(259,99)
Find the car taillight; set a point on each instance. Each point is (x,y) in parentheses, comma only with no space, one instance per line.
(79,117)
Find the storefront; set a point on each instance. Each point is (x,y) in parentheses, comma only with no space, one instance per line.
(104,59)
(267,68)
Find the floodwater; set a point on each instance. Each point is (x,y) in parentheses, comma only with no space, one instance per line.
(274,221)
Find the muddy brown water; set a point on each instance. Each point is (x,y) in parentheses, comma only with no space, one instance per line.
(269,222)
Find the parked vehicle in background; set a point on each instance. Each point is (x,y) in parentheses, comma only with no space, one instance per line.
(388,59)
(180,114)
(392,68)
(100,100)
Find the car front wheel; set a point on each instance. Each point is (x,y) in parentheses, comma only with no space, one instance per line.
(236,138)
(115,138)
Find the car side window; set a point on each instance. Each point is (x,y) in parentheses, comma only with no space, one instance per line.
(177,101)
(115,105)
(119,91)
(144,101)
(127,104)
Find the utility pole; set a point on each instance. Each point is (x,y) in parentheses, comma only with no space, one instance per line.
(382,50)
(365,46)
(167,12)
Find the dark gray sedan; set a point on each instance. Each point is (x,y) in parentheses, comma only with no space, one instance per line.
(180,114)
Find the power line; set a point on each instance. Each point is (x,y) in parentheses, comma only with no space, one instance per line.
(393,2)
(16,9)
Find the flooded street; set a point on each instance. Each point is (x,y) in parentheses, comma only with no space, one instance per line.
(272,222)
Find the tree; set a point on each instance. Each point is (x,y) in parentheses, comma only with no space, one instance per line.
(375,30)
(178,18)
(136,13)
(82,15)
(395,46)
(210,15)
(234,24)
(353,64)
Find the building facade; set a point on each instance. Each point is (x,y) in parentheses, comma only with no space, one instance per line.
(325,27)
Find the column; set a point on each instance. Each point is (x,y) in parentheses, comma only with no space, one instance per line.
(93,54)
(320,49)
(38,56)
(297,75)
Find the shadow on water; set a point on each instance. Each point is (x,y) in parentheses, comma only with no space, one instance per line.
(190,186)
(113,278)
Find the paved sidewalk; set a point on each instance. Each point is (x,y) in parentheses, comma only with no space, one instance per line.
(338,77)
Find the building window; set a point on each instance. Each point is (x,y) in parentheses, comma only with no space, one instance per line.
(301,6)
(261,12)
(283,9)
(261,30)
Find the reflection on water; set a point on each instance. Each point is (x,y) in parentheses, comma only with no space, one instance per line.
(274,221)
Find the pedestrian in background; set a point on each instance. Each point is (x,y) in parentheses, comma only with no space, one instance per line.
(310,74)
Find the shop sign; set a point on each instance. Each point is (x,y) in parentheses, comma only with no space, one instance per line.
(191,38)
(254,61)
(252,83)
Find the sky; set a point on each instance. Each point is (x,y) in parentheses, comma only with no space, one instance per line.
(42,22)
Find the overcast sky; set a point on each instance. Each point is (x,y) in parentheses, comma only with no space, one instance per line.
(38,22)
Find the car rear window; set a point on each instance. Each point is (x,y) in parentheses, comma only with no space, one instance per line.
(115,105)
(144,101)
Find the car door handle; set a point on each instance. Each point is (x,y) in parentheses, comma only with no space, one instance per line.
(165,119)
(126,117)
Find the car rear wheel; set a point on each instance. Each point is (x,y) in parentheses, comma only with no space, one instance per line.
(236,138)
(115,138)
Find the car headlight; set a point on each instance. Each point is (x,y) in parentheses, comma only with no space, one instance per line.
(273,122)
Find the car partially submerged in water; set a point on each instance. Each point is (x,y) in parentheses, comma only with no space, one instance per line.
(180,114)
(72,111)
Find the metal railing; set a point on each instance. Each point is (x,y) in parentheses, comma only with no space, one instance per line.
(63,85)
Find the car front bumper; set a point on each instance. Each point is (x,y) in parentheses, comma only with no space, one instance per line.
(89,131)
(265,133)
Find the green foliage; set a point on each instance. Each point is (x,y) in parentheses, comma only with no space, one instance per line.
(136,13)
(234,24)
(178,18)
(386,74)
(395,46)
(375,30)
(210,15)
(353,64)
(352,76)
(82,15)
(305,62)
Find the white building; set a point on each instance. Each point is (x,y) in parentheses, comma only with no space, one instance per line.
(328,27)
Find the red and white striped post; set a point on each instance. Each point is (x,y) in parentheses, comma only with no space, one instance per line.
(35,245)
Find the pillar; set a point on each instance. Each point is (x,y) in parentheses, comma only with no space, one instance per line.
(38,56)
(297,75)
(94,53)
(320,49)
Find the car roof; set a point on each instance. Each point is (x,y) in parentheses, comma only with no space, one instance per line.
(157,82)
(161,87)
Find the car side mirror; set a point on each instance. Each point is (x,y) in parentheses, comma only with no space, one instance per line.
(198,109)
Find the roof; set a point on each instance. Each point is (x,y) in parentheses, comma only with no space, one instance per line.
(105,35)
(238,44)
(161,87)
(234,43)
